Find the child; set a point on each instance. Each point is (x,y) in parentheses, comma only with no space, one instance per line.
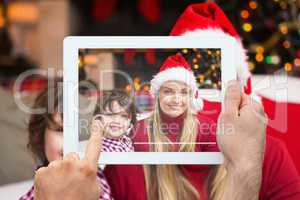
(116,113)
(46,130)
(114,116)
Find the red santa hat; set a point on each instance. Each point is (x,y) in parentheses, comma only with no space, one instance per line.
(176,68)
(208,19)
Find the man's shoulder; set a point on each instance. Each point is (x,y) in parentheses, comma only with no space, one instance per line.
(280,177)
(274,147)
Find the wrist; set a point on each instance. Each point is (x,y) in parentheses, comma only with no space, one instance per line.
(244,177)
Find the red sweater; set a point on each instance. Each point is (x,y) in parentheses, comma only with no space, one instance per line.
(280,178)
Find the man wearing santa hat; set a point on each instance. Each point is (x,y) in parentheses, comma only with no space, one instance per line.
(256,167)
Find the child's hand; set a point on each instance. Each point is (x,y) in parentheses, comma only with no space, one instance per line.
(97,124)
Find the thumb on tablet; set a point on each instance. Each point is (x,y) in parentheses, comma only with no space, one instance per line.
(232,99)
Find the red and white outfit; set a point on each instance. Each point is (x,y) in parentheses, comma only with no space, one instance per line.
(280,178)
(123,144)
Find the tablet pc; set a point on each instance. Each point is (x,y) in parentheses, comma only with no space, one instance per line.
(112,49)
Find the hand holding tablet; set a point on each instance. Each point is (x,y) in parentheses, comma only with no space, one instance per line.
(242,129)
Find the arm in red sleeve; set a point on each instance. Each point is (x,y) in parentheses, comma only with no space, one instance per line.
(127,182)
(116,182)
(280,177)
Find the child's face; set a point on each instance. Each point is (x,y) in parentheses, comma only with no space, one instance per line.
(54,141)
(116,121)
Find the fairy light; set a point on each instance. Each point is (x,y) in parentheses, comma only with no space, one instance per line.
(297,62)
(247,27)
(251,66)
(185,51)
(213,67)
(259,49)
(201,78)
(253,5)
(286,44)
(275,59)
(283,29)
(196,66)
(288,67)
(244,14)
(272,59)
(208,82)
(268,60)
(259,57)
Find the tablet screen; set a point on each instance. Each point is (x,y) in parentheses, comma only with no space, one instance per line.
(115,90)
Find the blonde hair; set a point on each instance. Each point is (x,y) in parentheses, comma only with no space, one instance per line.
(167,182)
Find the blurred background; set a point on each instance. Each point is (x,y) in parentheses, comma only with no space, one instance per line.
(32,33)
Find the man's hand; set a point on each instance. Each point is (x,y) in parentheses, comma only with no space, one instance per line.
(241,138)
(71,178)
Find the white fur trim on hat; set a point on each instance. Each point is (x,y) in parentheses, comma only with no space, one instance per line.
(178,74)
(173,74)
(243,72)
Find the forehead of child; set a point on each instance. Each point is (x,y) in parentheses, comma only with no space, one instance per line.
(114,107)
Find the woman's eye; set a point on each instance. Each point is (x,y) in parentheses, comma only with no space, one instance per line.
(168,92)
(184,92)
(125,116)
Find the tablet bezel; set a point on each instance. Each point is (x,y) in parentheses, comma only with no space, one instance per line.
(72,44)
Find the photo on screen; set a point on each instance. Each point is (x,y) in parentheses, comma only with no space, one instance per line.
(149,100)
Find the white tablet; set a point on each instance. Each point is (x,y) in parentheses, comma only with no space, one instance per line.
(129,63)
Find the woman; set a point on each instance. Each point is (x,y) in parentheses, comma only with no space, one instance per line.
(174,120)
